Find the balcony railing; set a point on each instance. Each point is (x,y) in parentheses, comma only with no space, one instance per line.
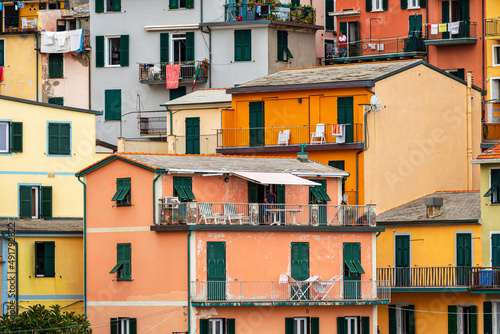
(155,73)
(485,278)
(153,125)
(467,30)
(425,277)
(492,27)
(270,136)
(18,23)
(269,11)
(197,213)
(298,292)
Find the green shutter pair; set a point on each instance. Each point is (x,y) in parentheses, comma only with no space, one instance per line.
(100,54)
(174,4)
(26,202)
(319,192)
(183,188)
(290,325)
(123,262)
(16,137)
(385,5)
(352,257)
(112,105)
(56,65)
(2,52)
(342,326)
(49,266)
(283,52)
(393,321)
(205,326)
(122,195)
(452,319)
(132,327)
(243,45)
(99,6)
(300,260)
(59,137)
(192,135)
(329,20)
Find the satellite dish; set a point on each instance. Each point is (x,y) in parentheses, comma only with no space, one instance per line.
(375,103)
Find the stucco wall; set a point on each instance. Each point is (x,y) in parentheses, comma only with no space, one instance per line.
(489,214)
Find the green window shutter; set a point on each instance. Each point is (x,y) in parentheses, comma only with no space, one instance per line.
(289,326)
(385,4)
(190,46)
(230,323)
(238,48)
(56,65)
(314,325)
(452,319)
(422,3)
(189,4)
(282,45)
(117,5)
(113,324)
(280,194)
(127,261)
(16,137)
(461,73)
(112,105)
(247,45)
(329,20)
(495,250)
(53,138)
(300,260)
(56,100)
(404,4)
(411,318)
(341,327)
(253,192)
(473,319)
(345,115)
(132,323)
(368,5)
(99,51)
(340,164)
(2,52)
(242,45)
(46,202)
(174,4)
(365,325)
(204,326)
(99,6)
(25,202)
(487,318)
(164,48)
(176,93)
(59,138)
(49,258)
(392,319)
(124,47)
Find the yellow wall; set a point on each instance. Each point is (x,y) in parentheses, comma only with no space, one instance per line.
(418,143)
(489,214)
(33,166)
(492,10)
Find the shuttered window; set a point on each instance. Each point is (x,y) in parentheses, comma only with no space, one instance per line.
(122,195)
(59,139)
(123,267)
(176,4)
(16,137)
(492,193)
(56,65)
(102,6)
(2,52)
(319,192)
(190,46)
(164,47)
(99,51)
(183,188)
(45,258)
(283,52)
(56,100)
(243,45)
(352,258)
(112,105)
(123,325)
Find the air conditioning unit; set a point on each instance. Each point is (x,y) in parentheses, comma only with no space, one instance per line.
(171,200)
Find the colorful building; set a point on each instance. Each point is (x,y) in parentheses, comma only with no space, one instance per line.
(431,252)
(390,143)
(41,147)
(183,243)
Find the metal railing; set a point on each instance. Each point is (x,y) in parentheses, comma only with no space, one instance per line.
(296,291)
(202,144)
(425,277)
(269,11)
(491,27)
(270,136)
(153,125)
(487,278)
(466,30)
(156,72)
(194,213)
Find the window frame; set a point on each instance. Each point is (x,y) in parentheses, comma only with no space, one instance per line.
(212,323)
(495,48)
(7,136)
(495,316)
(2,54)
(188,4)
(380,6)
(496,192)
(462,325)
(348,323)
(305,325)
(107,51)
(44,274)
(413,4)
(64,154)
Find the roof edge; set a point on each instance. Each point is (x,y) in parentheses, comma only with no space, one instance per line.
(324,85)
(109,159)
(55,106)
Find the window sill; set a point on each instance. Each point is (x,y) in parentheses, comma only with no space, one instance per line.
(121,205)
(5,153)
(110,12)
(60,155)
(243,61)
(410,8)
(377,10)
(124,279)
(113,66)
(112,120)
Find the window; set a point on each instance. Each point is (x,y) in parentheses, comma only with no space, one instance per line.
(45,259)
(59,138)
(329,20)
(352,259)
(112,51)
(164,47)
(102,6)
(176,93)
(491,314)
(56,65)
(60,26)
(176,4)
(354,325)
(182,47)
(458,72)
(284,53)
(302,325)
(243,45)
(2,52)
(495,54)
(112,105)
(376,5)
(495,249)
(462,319)
(183,189)
(216,326)
(123,325)
(56,100)
(412,4)
(123,192)
(318,194)
(35,202)
(123,268)
(401,319)
(11,137)
(492,193)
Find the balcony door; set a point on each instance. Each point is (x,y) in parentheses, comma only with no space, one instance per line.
(193,135)
(464,257)
(352,270)
(216,270)
(256,123)
(300,269)
(351,30)
(456,11)
(345,115)
(402,275)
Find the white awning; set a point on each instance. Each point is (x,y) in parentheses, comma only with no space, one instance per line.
(172,27)
(274,178)
(346,13)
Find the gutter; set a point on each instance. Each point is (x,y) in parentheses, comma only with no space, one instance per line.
(36,60)
(189,279)
(90,78)
(469,130)
(84,246)
(4,235)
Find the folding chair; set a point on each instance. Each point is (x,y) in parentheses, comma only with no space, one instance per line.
(230,213)
(318,137)
(206,214)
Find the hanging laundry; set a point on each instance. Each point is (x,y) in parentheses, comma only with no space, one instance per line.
(443,27)
(434,29)
(454,27)
(172,75)
(62,41)
(76,40)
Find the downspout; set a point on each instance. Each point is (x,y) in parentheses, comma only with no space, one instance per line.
(171,121)
(84,246)
(201,11)
(90,79)
(4,235)
(210,57)
(154,195)
(36,60)
(469,130)
(189,280)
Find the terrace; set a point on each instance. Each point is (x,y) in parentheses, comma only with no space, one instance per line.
(492,27)
(269,11)
(466,35)
(425,277)
(155,73)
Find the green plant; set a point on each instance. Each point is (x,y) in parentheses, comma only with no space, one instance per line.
(180,219)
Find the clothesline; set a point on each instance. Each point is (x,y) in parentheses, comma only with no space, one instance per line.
(451,27)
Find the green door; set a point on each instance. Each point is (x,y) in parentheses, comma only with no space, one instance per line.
(317,196)
(300,268)
(256,117)
(402,275)
(352,270)
(280,199)
(464,257)
(465,19)
(445,17)
(216,270)
(193,135)
(345,115)
(495,250)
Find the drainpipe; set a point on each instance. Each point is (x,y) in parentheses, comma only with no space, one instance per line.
(90,79)
(154,195)
(201,11)
(4,235)
(36,60)
(469,130)
(84,246)
(189,280)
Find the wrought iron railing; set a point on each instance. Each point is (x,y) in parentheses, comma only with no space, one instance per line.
(485,278)
(466,30)
(425,277)
(194,213)
(156,72)
(295,291)
(288,135)
(492,27)
(269,11)
(153,125)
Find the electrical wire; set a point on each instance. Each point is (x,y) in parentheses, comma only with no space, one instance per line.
(423,311)
(158,324)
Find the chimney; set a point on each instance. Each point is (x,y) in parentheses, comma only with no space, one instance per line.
(302,157)
(433,206)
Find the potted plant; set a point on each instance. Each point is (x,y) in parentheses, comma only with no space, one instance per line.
(180,219)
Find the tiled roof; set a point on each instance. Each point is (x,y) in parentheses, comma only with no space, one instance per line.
(457,206)
(44,226)
(202,96)
(491,153)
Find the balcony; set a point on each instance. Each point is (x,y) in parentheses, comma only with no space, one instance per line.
(466,35)
(485,278)
(155,73)
(269,11)
(153,125)
(18,24)
(436,278)
(379,49)
(253,215)
(296,292)
(241,140)
(492,27)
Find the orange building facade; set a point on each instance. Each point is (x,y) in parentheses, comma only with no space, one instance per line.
(186,244)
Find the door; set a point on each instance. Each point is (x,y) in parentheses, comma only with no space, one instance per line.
(445,17)
(316,197)
(300,268)
(464,257)
(352,274)
(256,118)
(345,115)
(216,270)
(353,39)
(280,199)
(402,275)
(193,135)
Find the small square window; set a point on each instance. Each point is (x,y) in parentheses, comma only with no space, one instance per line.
(175,4)
(59,138)
(122,195)
(112,5)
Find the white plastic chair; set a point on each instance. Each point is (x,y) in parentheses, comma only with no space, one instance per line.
(284,137)
(230,213)
(206,214)
(318,137)
(338,131)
